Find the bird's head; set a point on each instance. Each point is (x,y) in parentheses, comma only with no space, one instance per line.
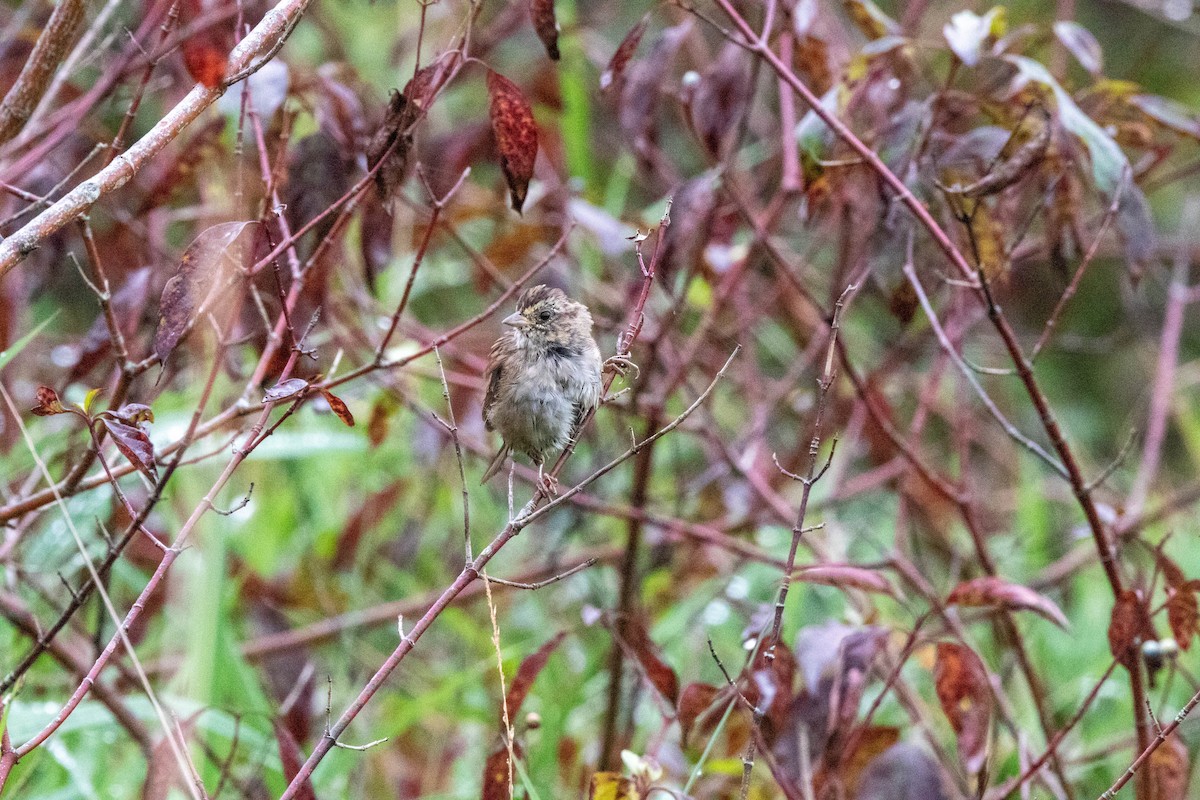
(548,317)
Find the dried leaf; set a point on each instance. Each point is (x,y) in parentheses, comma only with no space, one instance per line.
(134,444)
(845,576)
(544,22)
(202,262)
(285,390)
(390,144)
(380,421)
(516,135)
(1183,615)
(205,52)
(641,92)
(292,759)
(1080,43)
(496,772)
(720,98)
(612,786)
(131,414)
(1167,771)
(694,700)
(658,672)
(527,673)
(338,407)
(852,767)
(614,73)
(992,591)
(47,403)
(1129,626)
(961,682)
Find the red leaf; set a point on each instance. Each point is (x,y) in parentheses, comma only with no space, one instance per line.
(527,673)
(339,407)
(720,98)
(202,263)
(1167,772)
(516,135)
(1129,626)
(47,403)
(428,80)
(845,576)
(694,700)
(658,672)
(390,144)
(614,73)
(961,682)
(285,390)
(292,759)
(205,52)
(542,14)
(992,591)
(134,444)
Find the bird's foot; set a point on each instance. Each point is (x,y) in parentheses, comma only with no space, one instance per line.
(621,365)
(548,483)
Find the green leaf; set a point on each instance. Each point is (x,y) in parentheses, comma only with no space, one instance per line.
(19,345)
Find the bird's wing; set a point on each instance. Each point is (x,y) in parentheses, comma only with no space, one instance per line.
(495,369)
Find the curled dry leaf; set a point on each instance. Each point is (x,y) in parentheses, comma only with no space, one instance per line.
(134,444)
(544,22)
(285,390)
(205,259)
(516,135)
(47,403)
(845,576)
(1129,626)
(614,73)
(961,682)
(338,406)
(390,144)
(131,414)
(720,99)
(694,700)
(993,591)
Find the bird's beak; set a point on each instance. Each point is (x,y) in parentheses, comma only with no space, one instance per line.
(515,321)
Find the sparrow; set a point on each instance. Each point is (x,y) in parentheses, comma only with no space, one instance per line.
(543,378)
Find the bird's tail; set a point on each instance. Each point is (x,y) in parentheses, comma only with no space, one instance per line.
(496,465)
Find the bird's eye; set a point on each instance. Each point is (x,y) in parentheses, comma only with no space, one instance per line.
(544,316)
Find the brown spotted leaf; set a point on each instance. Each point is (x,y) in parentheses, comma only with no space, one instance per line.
(516,135)
(614,73)
(544,22)
(338,406)
(961,682)
(204,260)
(694,700)
(997,592)
(612,786)
(134,444)
(1128,627)
(845,576)
(47,403)
(285,390)
(496,771)
(527,673)
(428,80)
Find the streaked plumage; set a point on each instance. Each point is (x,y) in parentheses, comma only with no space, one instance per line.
(543,376)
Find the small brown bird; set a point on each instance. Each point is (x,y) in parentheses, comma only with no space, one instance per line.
(543,377)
